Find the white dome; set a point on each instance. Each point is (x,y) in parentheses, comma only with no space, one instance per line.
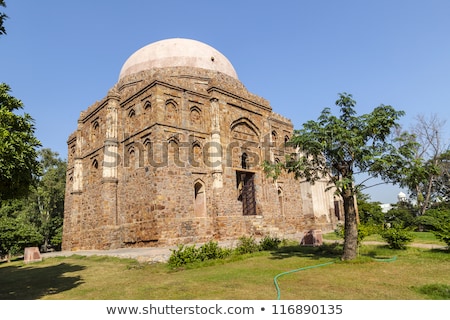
(177,53)
(401,196)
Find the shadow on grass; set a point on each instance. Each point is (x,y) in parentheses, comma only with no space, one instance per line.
(332,250)
(30,282)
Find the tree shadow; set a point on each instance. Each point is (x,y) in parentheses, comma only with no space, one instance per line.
(30,282)
(332,250)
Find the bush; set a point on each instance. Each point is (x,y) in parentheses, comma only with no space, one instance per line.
(190,254)
(269,243)
(246,245)
(183,255)
(364,230)
(211,250)
(397,238)
(403,215)
(438,221)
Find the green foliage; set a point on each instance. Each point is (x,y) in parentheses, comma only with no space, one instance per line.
(247,245)
(370,213)
(18,148)
(435,291)
(3,17)
(16,235)
(335,147)
(269,243)
(43,207)
(397,238)
(342,144)
(184,255)
(364,230)
(47,197)
(438,221)
(211,250)
(56,239)
(402,215)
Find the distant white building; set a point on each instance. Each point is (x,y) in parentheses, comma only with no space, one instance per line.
(401,197)
(385,207)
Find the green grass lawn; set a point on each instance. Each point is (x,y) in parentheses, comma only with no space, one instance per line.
(416,274)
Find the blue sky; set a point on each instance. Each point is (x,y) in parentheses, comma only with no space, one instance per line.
(59,57)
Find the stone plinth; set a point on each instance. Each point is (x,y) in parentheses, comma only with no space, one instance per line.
(312,238)
(32,254)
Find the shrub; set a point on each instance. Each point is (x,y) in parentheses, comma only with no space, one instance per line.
(189,254)
(438,221)
(269,243)
(246,245)
(364,230)
(183,255)
(397,238)
(211,250)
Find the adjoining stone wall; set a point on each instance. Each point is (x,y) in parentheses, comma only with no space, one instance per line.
(164,158)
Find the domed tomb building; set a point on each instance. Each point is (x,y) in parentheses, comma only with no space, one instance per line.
(173,155)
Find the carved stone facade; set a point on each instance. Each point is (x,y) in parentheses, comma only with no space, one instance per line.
(172,155)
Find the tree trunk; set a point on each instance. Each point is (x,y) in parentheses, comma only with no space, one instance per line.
(351,227)
(426,200)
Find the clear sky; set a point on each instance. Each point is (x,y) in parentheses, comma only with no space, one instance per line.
(59,57)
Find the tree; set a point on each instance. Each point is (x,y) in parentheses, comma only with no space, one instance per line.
(47,198)
(36,219)
(18,148)
(335,147)
(438,221)
(16,230)
(370,213)
(3,17)
(441,184)
(425,180)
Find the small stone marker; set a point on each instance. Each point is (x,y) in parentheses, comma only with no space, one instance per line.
(312,238)
(31,254)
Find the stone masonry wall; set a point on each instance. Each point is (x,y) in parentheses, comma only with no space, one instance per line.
(185,138)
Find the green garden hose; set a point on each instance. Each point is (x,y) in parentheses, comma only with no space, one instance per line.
(275,280)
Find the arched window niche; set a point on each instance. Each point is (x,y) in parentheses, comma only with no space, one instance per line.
(199,199)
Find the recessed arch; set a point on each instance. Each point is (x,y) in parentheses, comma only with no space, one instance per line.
(134,157)
(281,199)
(95,130)
(195,156)
(171,113)
(95,125)
(147,141)
(247,123)
(199,198)
(195,115)
(173,152)
(274,137)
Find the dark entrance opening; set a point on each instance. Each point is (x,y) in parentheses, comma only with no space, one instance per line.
(246,192)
